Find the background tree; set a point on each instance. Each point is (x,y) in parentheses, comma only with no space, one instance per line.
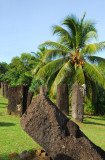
(20,69)
(40,62)
(73,52)
(36,82)
(3,67)
(3,70)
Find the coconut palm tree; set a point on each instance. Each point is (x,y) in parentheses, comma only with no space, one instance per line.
(73,56)
(39,59)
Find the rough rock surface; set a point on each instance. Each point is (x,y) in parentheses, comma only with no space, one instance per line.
(59,136)
(43,90)
(17,100)
(78,100)
(5,90)
(2,89)
(29,98)
(62,101)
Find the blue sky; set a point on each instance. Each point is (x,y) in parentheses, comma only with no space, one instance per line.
(25,24)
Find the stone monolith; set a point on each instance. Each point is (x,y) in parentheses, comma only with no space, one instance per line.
(62,101)
(60,137)
(78,100)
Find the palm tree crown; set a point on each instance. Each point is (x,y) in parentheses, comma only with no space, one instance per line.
(70,56)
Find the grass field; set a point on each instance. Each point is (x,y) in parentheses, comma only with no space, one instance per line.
(94,128)
(14,139)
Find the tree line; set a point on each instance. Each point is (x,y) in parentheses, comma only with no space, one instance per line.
(71,59)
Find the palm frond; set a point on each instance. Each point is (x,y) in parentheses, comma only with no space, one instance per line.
(94,75)
(90,35)
(71,23)
(50,68)
(79,76)
(36,69)
(86,31)
(61,32)
(95,59)
(51,80)
(83,18)
(89,26)
(52,54)
(91,49)
(64,36)
(91,89)
(62,77)
(54,45)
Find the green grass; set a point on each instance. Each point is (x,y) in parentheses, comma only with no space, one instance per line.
(94,128)
(14,139)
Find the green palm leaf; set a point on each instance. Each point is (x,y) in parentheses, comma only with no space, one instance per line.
(64,36)
(71,22)
(91,49)
(93,74)
(91,89)
(95,59)
(61,32)
(50,68)
(79,76)
(36,69)
(52,54)
(54,45)
(65,72)
(74,43)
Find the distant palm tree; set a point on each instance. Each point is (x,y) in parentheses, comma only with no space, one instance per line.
(72,58)
(39,59)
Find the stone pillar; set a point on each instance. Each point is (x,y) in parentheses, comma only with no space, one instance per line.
(17,100)
(62,100)
(2,89)
(78,100)
(5,90)
(29,98)
(43,90)
(60,137)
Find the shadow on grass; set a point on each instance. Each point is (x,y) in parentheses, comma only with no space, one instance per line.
(3,103)
(94,123)
(6,124)
(4,157)
(3,107)
(99,118)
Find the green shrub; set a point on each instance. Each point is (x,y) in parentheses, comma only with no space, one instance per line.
(35,85)
(89,107)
